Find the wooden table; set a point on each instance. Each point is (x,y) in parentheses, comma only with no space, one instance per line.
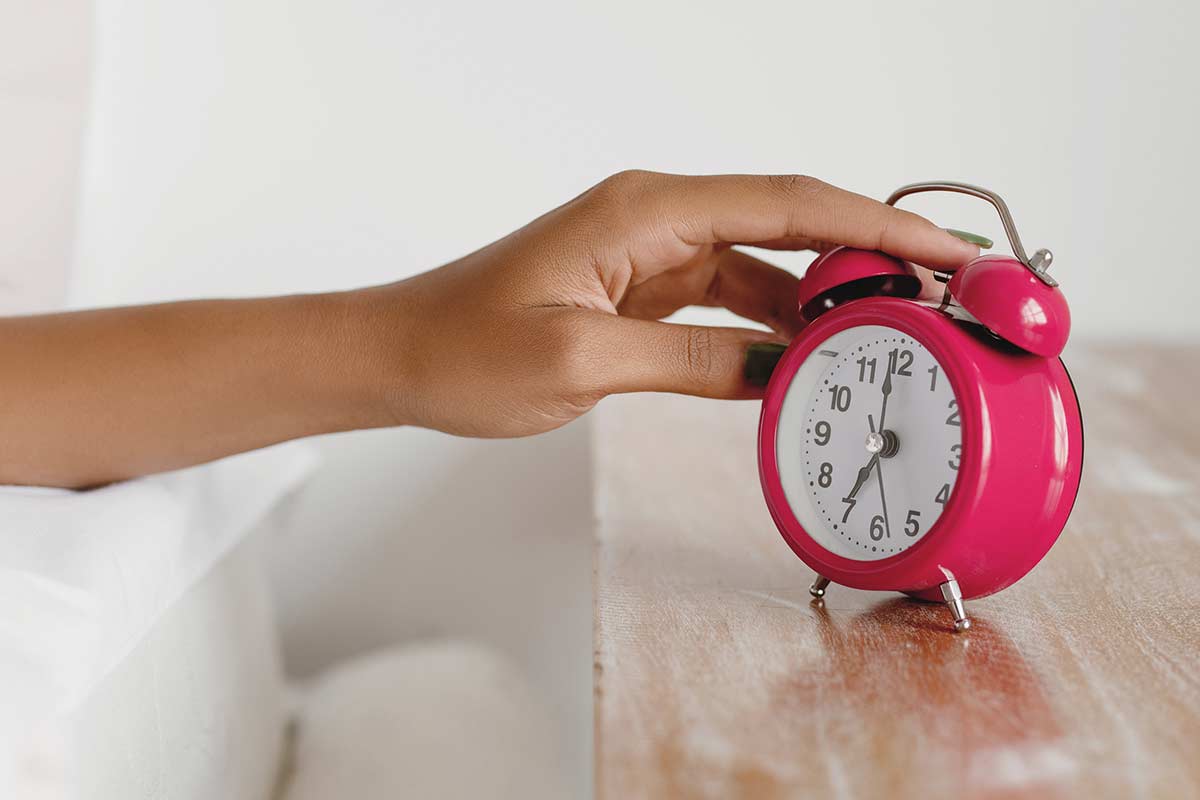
(717,677)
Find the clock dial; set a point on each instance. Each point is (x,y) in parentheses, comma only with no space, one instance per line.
(869,443)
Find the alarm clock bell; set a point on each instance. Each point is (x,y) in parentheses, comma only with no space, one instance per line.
(1014,296)
(846,273)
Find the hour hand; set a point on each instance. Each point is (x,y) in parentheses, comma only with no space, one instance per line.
(863,474)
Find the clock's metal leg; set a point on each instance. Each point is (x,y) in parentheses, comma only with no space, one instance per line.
(954,599)
(818,586)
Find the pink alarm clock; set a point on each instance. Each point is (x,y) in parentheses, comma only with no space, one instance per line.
(931,448)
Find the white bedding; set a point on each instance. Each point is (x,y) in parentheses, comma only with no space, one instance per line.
(124,615)
(197,710)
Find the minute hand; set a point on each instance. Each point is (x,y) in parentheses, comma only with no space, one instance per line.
(883,502)
(887,391)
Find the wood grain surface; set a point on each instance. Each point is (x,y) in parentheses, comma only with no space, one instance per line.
(717,677)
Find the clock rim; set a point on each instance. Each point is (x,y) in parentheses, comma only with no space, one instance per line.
(916,568)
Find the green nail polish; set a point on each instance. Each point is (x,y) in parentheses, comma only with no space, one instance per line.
(761,358)
(970,238)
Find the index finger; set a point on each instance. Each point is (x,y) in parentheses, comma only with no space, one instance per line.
(747,209)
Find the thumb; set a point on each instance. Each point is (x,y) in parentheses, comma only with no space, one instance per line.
(648,356)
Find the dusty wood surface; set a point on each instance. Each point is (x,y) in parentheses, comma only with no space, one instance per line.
(716,677)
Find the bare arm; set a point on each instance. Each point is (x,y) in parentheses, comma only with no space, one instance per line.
(516,338)
(95,396)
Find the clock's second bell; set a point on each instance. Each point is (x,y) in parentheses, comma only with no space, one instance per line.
(1012,302)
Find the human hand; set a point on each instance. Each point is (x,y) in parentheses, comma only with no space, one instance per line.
(533,330)
(517,338)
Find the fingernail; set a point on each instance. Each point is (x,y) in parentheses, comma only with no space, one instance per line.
(972,242)
(761,358)
(970,238)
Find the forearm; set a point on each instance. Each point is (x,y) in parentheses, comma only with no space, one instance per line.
(96,396)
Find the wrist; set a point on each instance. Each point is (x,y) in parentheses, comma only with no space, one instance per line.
(366,354)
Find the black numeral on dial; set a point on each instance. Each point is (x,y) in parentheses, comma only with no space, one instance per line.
(956,453)
(823,432)
(953,418)
(899,362)
(863,364)
(839,398)
(943,494)
(911,526)
(825,476)
(877,528)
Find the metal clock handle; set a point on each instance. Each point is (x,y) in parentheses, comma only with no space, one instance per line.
(1041,260)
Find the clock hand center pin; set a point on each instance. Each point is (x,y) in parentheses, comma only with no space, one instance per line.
(884,444)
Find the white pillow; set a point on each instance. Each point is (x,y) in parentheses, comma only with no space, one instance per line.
(85,576)
(431,720)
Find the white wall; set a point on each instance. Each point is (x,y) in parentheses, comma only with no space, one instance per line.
(264,145)
(45,55)
(253,146)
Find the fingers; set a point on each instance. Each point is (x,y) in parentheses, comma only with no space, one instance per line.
(758,291)
(747,286)
(748,209)
(794,243)
(762,208)
(646,356)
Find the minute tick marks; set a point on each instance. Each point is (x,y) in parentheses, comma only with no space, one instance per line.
(880,451)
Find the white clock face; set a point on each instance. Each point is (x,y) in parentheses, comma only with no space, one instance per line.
(869,442)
